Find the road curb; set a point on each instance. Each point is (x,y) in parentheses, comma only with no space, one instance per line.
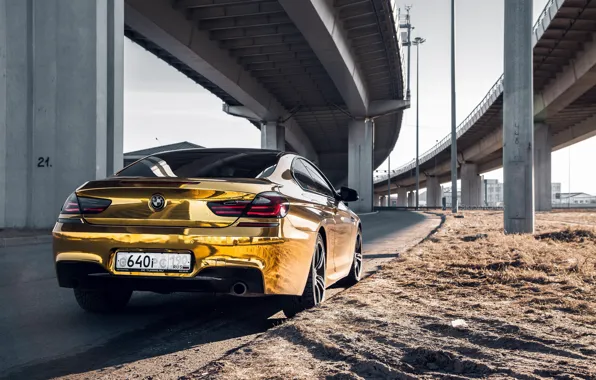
(24,240)
(368,213)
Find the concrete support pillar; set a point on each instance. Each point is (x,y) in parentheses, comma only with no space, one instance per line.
(471,185)
(379,200)
(61,102)
(360,163)
(542,168)
(411,199)
(482,192)
(433,192)
(518,118)
(402,197)
(273,136)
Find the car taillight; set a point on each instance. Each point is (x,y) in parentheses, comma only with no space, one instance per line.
(71,206)
(93,205)
(228,208)
(265,205)
(268,205)
(84,205)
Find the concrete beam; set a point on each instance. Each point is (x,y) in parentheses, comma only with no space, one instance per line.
(488,166)
(575,79)
(577,133)
(241,111)
(386,107)
(487,145)
(170,29)
(319,22)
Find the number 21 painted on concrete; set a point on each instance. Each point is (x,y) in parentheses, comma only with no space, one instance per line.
(43,162)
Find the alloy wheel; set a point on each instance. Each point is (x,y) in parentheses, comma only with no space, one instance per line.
(319,288)
(358,258)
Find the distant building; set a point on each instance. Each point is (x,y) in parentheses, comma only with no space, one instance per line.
(131,157)
(492,195)
(555,189)
(493,192)
(446,194)
(575,199)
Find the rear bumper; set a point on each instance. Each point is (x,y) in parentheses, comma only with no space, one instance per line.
(87,275)
(268,260)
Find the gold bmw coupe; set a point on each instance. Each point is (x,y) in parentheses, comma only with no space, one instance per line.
(236,221)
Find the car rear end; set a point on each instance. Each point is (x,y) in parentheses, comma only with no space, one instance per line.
(165,233)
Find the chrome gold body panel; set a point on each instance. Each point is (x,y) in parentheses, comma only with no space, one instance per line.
(281,251)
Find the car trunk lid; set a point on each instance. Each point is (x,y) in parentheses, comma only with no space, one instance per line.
(185,200)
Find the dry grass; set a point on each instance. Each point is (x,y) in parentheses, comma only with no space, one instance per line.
(529,305)
(585,217)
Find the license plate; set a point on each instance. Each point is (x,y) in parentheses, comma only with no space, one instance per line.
(153,262)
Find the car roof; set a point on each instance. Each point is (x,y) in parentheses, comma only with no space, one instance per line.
(224,150)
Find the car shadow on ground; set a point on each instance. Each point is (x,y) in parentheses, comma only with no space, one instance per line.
(171,323)
(198,319)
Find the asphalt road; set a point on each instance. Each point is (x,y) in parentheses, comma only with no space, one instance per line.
(44,333)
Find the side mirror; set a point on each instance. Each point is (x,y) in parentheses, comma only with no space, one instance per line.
(348,195)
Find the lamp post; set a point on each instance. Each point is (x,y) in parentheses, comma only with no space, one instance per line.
(453,126)
(417,41)
(389,180)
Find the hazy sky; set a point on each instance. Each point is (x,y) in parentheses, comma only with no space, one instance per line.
(163,106)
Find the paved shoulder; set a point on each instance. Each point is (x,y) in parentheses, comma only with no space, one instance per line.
(388,234)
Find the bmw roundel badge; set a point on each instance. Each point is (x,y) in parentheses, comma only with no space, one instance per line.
(157,202)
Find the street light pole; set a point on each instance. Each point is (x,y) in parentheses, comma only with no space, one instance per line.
(418,41)
(409,27)
(454,205)
(389,179)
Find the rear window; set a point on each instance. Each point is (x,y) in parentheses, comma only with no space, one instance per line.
(204,164)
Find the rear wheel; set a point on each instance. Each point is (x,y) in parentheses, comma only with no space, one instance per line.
(357,264)
(102,301)
(314,291)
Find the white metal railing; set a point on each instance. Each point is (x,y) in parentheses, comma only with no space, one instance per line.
(544,20)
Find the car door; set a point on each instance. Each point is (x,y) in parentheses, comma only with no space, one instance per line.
(311,192)
(344,222)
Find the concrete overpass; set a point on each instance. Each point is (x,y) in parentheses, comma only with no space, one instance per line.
(307,72)
(564,108)
(323,78)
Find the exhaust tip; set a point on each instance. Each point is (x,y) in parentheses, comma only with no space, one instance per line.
(239,289)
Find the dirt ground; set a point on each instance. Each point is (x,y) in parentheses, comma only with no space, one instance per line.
(468,302)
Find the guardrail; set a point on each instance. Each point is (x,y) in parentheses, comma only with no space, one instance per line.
(542,23)
(407,208)
(463,207)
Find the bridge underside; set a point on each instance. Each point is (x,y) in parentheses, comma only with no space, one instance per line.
(252,52)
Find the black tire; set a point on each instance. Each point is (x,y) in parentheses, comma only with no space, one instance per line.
(102,301)
(355,274)
(315,288)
